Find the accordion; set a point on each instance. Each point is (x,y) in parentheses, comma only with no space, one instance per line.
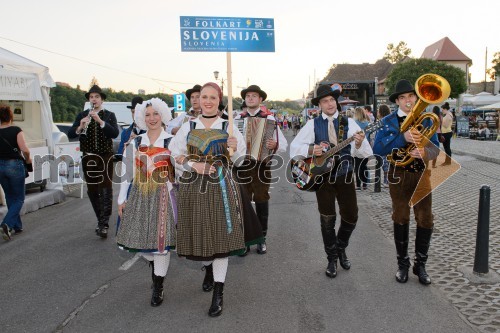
(258,131)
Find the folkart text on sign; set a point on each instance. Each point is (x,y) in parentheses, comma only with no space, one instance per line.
(226,34)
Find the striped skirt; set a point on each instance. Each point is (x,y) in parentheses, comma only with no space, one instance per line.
(210,221)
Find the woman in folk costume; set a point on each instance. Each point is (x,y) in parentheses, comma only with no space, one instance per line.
(210,219)
(147,205)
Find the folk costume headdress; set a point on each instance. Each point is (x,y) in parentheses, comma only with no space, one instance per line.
(158,105)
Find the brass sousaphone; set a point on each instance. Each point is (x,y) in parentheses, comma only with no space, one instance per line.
(431,89)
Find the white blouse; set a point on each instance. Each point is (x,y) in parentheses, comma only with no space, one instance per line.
(129,165)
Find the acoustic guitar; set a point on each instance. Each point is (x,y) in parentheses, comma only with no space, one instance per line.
(310,173)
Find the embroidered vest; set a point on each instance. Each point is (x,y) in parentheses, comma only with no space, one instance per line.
(95,142)
(346,162)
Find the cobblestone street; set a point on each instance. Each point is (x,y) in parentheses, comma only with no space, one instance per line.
(455,206)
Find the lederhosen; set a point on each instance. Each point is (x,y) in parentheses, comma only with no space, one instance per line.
(402,184)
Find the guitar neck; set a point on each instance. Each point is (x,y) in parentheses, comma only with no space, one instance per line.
(338,148)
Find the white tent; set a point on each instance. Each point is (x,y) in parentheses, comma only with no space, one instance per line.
(495,106)
(484,98)
(24,80)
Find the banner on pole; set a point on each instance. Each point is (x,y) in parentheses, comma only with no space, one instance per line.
(226,34)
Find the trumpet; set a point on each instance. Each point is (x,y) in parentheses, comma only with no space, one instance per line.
(84,131)
(431,89)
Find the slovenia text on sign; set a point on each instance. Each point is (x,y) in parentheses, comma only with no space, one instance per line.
(226,34)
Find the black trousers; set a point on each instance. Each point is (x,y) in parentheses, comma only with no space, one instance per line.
(98,171)
(447,143)
(343,191)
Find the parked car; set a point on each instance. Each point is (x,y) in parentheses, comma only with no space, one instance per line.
(64,127)
(59,135)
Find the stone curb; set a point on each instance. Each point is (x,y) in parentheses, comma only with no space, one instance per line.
(479,157)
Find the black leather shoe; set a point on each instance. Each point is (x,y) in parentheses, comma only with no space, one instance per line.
(102,232)
(261,248)
(343,260)
(331,269)
(403,267)
(423,277)
(217,300)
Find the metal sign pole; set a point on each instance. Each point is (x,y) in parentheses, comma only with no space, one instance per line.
(229,97)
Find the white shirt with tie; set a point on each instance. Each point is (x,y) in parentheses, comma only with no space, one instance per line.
(299,148)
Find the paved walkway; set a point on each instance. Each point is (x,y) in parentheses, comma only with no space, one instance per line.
(483,150)
(455,208)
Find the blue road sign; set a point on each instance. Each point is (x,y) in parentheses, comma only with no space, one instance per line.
(226,34)
(179,102)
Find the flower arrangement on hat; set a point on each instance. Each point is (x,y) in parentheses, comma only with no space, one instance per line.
(158,105)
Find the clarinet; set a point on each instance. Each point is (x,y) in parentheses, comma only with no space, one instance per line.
(84,131)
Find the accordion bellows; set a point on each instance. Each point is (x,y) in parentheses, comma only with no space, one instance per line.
(258,131)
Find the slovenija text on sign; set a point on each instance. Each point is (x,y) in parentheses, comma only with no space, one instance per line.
(226,34)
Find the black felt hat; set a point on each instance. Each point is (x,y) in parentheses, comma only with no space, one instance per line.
(402,87)
(136,100)
(254,88)
(326,90)
(95,89)
(196,88)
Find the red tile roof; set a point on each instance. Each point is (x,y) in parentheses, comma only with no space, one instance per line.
(444,50)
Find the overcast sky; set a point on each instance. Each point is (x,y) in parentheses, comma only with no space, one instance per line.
(139,45)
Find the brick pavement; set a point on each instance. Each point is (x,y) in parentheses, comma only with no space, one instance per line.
(455,206)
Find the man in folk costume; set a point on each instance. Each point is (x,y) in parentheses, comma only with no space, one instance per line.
(256,174)
(96,128)
(314,138)
(403,181)
(193,95)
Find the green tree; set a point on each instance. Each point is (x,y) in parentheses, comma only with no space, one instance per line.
(395,54)
(412,69)
(93,82)
(494,71)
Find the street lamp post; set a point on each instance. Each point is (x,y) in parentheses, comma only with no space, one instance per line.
(216,75)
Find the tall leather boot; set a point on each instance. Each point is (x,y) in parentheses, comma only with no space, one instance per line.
(95,200)
(208,281)
(401,235)
(345,231)
(330,243)
(217,300)
(422,243)
(157,297)
(262,210)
